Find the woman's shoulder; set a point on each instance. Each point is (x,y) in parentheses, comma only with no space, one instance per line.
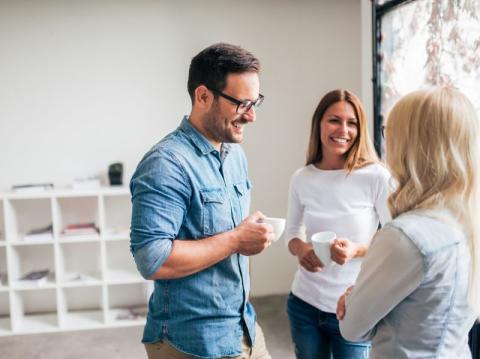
(429,230)
(303,171)
(305,175)
(374,170)
(313,172)
(376,167)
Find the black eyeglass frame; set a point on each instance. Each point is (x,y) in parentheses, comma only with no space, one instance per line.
(382,130)
(246,104)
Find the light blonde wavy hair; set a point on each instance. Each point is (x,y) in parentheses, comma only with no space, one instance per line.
(433,152)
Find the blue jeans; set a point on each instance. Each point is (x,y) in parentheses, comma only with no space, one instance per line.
(316,334)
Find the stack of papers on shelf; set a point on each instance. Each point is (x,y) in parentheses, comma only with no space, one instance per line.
(133,313)
(80,229)
(32,187)
(79,277)
(38,234)
(36,277)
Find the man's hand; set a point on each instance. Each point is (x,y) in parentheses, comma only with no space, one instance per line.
(252,236)
(307,258)
(341,303)
(343,250)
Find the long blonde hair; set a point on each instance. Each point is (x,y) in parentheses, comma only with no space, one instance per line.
(362,152)
(433,152)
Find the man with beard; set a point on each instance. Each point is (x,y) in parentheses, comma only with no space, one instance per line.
(190,231)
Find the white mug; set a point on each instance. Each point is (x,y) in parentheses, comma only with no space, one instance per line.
(278,225)
(321,245)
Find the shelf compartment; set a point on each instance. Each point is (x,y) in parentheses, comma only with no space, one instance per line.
(35,311)
(79,238)
(117,216)
(73,211)
(127,303)
(2,224)
(125,236)
(26,215)
(74,269)
(120,266)
(3,269)
(31,258)
(81,307)
(5,324)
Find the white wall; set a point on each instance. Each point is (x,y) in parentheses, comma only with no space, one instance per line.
(88,83)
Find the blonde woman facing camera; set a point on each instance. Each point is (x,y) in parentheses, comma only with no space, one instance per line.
(342,188)
(417,294)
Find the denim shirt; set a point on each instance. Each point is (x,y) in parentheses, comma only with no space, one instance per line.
(185,189)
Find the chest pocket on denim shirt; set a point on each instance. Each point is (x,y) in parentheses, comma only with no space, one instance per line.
(217,214)
(243,194)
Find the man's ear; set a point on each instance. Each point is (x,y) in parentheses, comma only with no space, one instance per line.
(203,97)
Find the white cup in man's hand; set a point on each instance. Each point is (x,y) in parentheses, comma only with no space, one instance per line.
(278,225)
(321,245)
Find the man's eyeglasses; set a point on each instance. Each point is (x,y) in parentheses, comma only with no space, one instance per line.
(242,106)
(383,131)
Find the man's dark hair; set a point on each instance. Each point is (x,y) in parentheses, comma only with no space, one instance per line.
(213,64)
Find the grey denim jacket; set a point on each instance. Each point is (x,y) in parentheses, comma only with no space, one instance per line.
(411,294)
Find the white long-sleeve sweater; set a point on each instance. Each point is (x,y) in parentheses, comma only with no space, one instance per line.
(351,205)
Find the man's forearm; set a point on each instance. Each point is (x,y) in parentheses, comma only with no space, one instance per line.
(192,256)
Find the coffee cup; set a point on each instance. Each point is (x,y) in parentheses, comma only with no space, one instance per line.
(278,225)
(321,245)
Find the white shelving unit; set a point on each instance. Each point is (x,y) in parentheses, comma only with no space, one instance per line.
(93,281)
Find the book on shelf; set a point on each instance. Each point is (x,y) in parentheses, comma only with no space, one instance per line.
(80,229)
(40,234)
(37,277)
(32,187)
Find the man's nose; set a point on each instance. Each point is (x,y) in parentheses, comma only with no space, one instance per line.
(250,114)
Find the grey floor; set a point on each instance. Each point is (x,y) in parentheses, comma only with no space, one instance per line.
(124,343)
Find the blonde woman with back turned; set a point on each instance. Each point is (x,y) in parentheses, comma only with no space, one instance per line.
(417,294)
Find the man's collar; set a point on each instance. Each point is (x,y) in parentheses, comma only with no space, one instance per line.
(224,150)
(199,140)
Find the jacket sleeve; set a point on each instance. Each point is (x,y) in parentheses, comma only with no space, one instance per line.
(391,270)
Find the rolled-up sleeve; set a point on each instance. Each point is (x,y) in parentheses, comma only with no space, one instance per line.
(391,270)
(160,197)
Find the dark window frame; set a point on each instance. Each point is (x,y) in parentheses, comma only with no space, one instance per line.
(378,11)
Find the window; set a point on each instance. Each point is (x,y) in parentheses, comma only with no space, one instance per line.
(424,43)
